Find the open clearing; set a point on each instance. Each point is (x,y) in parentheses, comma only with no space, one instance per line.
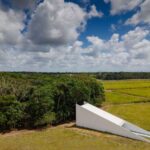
(128,99)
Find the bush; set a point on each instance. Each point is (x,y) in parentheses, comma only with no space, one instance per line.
(11,112)
(75,91)
(66,95)
(40,107)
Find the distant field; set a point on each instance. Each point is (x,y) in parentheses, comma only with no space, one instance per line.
(120,98)
(143,92)
(127,91)
(128,99)
(125,84)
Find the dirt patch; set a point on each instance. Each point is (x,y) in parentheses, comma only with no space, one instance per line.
(16,132)
(69,126)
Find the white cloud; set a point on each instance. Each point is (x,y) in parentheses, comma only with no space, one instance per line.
(135,36)
(11,24)
(58,22)
(130,50)
(119,6)
(142,16)
(95,40)
(53,31)
(113,27)
(94,13)
(56,26)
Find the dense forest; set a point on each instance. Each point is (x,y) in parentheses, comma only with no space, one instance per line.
(29,100)
(122,75)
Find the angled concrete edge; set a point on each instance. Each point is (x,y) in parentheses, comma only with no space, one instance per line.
(89,116)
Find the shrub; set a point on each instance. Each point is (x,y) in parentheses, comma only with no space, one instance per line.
(40,107)
(66,95)
(72,91)
(11,112)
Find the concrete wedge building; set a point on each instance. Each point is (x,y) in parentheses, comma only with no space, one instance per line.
(89,116)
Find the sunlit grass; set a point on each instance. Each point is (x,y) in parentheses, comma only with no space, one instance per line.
(68,139)
(124,84)
(135,113)
(120,98)
(142,92)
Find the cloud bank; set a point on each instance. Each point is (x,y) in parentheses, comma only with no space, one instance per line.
(51,41)
(142,16)
(119,6)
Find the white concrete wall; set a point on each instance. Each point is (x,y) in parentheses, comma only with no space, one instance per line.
(88,119)
(135,128)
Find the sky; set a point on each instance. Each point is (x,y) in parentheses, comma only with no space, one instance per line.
(75,35)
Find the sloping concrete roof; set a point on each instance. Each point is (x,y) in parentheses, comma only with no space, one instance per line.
(104,114)
(89,116)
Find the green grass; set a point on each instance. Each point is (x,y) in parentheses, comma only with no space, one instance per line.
(120,98)
(127,91)
(68,139)
(135,113)
(125,84)
(142,92)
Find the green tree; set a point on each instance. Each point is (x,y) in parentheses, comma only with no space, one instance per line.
(11,113)
(40,107)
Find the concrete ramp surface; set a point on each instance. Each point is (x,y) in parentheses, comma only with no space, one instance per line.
(89,116)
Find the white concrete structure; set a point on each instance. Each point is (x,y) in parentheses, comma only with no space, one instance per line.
(89,116)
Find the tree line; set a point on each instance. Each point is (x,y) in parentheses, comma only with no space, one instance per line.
(122,75)
(30,100)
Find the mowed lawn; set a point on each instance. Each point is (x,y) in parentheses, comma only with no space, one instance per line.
(127,99)
(61,138)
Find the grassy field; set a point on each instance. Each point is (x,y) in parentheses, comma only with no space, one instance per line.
(120,98)
(126,84)
(143,92)
(128,99)
(127,91)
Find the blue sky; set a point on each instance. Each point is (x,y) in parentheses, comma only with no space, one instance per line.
(74,35)
(102,27)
